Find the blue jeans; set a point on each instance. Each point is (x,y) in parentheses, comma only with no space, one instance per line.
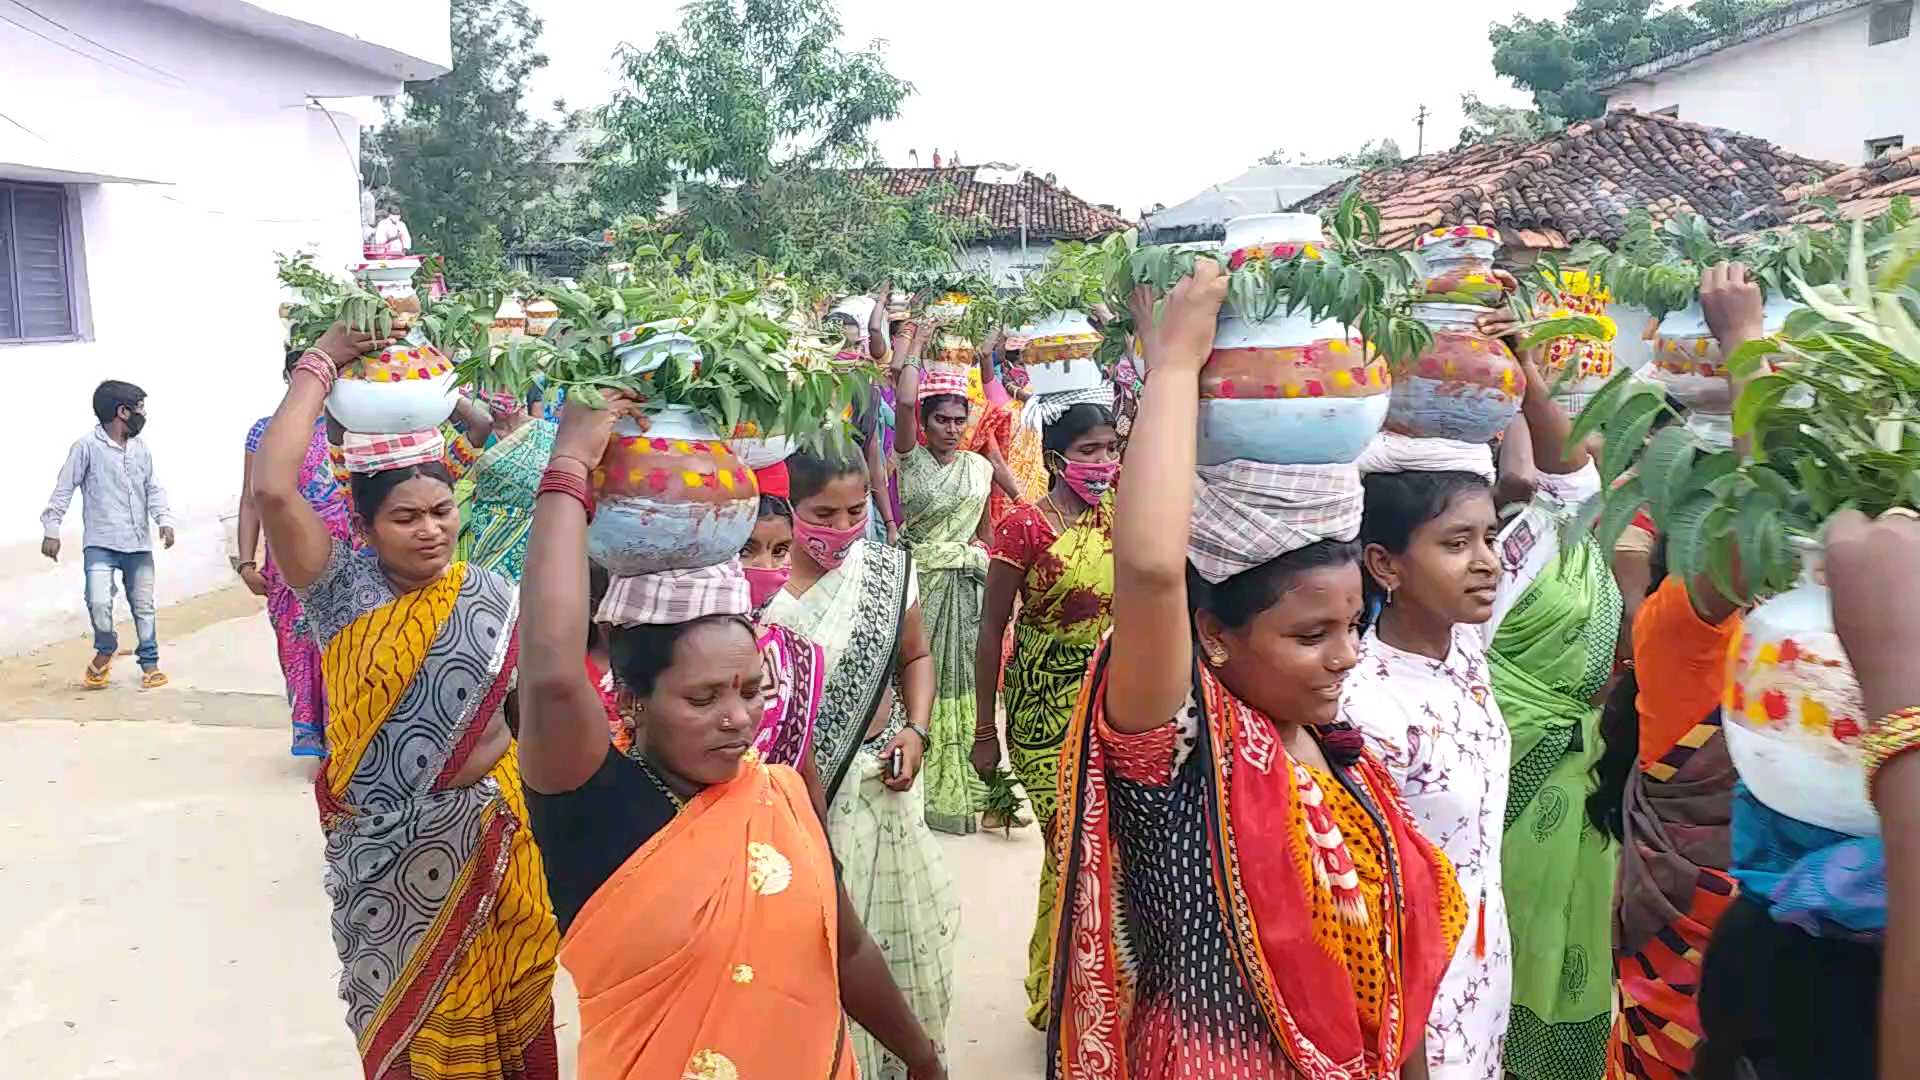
(136,570)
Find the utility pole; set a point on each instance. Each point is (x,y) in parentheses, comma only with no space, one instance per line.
(1420,139)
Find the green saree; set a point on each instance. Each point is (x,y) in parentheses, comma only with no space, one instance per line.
(943,504)
(498,518)
(1551,654)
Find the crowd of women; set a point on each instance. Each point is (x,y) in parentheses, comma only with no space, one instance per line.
(1344,772)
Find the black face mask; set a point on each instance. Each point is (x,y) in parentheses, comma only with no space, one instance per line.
(134,422)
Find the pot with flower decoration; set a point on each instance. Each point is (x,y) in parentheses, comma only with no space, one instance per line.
(542,313)
(1286,389)
(1687,361)
(1058,354)
(1459,266)
(408,386)
(671,496)
(1793,712)
(509,321)
(391,279)
(1465,386)
(1577,367)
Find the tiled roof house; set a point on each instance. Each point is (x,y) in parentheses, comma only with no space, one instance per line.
(1580,184)
(1860,192)
(1051,211)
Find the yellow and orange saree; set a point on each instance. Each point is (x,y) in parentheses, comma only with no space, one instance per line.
(440,909)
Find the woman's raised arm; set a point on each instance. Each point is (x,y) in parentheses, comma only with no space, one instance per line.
(1151,660)
(300,541)
(563,725)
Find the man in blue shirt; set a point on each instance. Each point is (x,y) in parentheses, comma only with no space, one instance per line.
(112,469)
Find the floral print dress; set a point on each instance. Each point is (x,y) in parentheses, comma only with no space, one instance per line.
(1437,728)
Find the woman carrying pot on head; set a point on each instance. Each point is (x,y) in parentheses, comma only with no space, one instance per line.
(497,521)
(1422,695)
(703,922)
(859,601)
(327,494)
(1550,643)
(1055,557)
(1020,474)
(440,908)
(1243,892)
(943,491)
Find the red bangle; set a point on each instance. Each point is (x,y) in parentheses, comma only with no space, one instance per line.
(562,482)
(319,365)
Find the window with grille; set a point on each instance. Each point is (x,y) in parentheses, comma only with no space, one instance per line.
(1876,147)
(1890,22)
(36,279)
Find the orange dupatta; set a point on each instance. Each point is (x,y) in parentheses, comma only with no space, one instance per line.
(713,952)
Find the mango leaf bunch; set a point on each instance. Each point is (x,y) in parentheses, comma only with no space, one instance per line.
(1827,417)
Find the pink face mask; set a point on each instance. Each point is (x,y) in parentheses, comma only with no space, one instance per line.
(1089,479)
(764,581)
(827,546)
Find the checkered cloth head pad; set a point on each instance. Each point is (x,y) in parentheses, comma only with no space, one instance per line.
(381,453)
(943,379)
(1247,513)
(1044,409)
(677,596)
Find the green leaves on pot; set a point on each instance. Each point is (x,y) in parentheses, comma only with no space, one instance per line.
(1826,416)
(325,300)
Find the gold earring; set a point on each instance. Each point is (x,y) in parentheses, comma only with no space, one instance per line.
(1216,656)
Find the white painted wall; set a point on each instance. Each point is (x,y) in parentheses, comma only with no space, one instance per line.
(1817,90)
(177,276)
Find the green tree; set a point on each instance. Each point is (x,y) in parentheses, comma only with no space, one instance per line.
(741,91)
(1487,122)
(1559,61)
(459,154)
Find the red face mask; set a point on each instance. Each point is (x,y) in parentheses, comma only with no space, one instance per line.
(827,546)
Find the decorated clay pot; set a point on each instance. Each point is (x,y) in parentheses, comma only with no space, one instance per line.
(509,321)
(541,315)
(1058,355)
(396,270)
(1459,260)
(949,308)
(405,387)
(1793,713)
(1687,360)
(758,452)
(643,349)
(1467,386)
(1289,391)
(1576,367)
(953,349)
(1285,390)
(671,497)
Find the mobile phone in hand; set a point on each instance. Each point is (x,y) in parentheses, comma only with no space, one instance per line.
(895,764)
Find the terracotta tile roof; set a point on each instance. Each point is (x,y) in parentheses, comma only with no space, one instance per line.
(1053,212)
(1579,184)
(1861,192)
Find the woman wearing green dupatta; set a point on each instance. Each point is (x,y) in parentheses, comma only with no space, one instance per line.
(857,600)
(1551,644)
(943,493)
(495,524)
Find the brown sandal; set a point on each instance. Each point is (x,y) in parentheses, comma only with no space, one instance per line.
(153,680)
(96,677)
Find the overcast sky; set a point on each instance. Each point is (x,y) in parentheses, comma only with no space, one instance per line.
(1128,110)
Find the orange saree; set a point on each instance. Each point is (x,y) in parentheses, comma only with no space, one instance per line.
(713,952)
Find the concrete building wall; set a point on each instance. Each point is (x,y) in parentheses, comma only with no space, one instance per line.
(173,278)
(1818,89)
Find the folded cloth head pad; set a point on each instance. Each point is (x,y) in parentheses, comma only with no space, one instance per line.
(1247,513)
(677,596)
(1394,453)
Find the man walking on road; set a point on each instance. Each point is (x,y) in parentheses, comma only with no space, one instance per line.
(112,469)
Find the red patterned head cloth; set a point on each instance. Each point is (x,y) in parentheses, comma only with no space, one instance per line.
(381,453)
(944,379)
(677,596)
(773,480)
(1246,513)
(502,402)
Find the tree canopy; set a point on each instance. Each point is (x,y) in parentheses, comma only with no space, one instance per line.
(740,91)
(1368,155)
(1560,60)
(459,153)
